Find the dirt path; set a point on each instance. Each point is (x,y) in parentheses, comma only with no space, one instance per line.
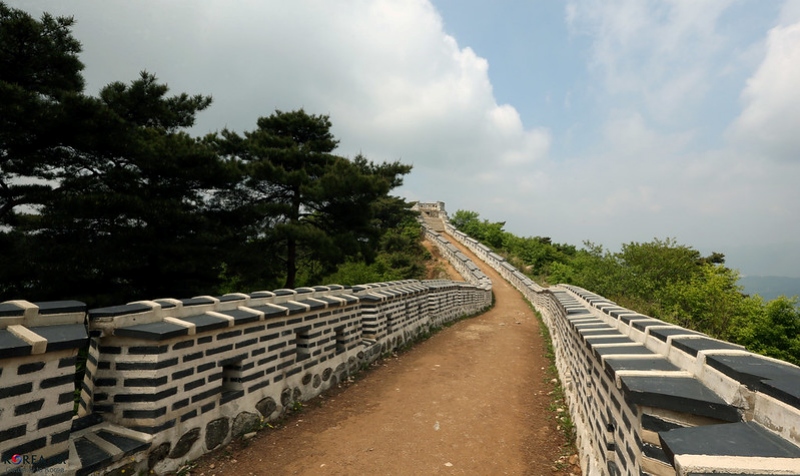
(438,267)
(473,399)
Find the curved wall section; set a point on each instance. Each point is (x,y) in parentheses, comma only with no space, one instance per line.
(649,397)
(170,379)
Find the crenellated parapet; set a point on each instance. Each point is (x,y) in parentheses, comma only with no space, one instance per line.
(39,344)
(168,380)
(649,397)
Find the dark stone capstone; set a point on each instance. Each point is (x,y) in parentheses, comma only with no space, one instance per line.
(266,406)
(245,422)
(682,394)
(743,439)
(158,454)
(216,432)
(185,443)
(154,331)
(92,457)
(68,336)
(60,307)
(778,380)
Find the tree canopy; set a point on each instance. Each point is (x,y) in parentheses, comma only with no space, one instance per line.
(660,278)
(39,73)
(317,207)
(108,198)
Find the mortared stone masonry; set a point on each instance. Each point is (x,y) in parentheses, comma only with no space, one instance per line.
(171,379)
(649,397)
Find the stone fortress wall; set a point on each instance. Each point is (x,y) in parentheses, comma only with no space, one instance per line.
(649,397)
(168,380)
(171,379)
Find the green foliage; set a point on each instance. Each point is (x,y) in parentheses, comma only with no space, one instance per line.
(535,254)
(662,279)
(709,301)
(594,268)
(358,272)
(772,329)
(108,199)
(39,72)
(126,215)
(400,256)
(490,233)
(655,265)
(318,209)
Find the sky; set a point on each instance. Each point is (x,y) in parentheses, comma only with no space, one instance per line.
(612,121)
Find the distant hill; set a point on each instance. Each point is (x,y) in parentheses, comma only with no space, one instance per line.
(770,287)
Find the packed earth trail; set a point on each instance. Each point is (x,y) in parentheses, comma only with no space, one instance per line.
(476,398)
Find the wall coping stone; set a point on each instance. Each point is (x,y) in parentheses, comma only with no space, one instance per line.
(754,439)
(38,343)
(735,386)
(60,307)
(262,294)
(13,346)
(12,309)
(190,327)
(613,365)
(313,304)
(295,307)
(331,301)
(694,344)
(152,331)
(243,315)
(68,336)
(677,393)
(271,310)
(199,301)
(123,310)
(662,333)
(168,303)
(207,322)
(772,377)
(49,313)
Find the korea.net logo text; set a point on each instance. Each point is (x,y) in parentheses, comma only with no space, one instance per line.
(21,461)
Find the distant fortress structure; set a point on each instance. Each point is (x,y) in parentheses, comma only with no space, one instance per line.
(168,380)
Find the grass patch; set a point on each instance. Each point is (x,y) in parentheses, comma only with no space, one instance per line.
(558,403)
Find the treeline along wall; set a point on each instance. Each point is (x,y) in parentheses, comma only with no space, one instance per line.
(168,380)
(649,397)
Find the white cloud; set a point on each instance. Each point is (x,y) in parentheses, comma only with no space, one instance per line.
(660,54)
(771,113)
(628,134)
(647,174)
(397,86)
(394,83)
